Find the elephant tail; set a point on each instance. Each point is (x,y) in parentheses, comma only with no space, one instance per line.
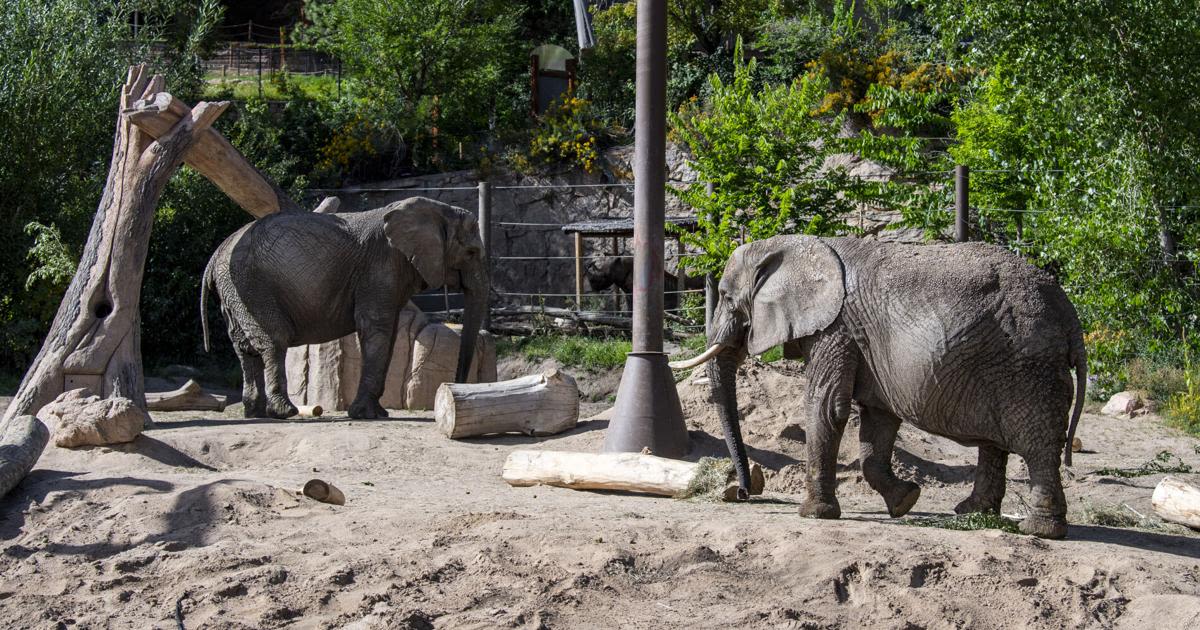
(205,282)
(1079,362)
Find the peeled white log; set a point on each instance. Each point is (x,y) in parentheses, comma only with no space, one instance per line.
(190,397)
(630,472)
(1177,502)
(309,411)
(541,404)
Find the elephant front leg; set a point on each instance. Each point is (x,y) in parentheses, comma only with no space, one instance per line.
(831,368)
(376,343)
(988,492)
(877,439)
(278,404)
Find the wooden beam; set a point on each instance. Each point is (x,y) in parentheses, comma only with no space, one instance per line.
(212,156)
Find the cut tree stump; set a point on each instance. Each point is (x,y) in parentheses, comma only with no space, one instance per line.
(95,339)
(541,404)
(190,397)
(630,472)
(1177,502)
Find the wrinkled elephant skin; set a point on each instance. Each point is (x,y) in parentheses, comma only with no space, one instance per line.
(965,341)
(304,278)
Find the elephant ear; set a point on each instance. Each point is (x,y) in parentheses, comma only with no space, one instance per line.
(417,229)
(799,290)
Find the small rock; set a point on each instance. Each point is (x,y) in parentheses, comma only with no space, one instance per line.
(82,419)
(1076,445)
(277,576)
(1124,403)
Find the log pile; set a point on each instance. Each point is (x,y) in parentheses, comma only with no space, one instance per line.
(542,404)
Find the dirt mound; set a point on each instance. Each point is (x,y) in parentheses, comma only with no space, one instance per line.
(201,514)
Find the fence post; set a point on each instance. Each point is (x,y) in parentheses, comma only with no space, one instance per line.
(260,56)
(578,271)
(485,235)
(962,185)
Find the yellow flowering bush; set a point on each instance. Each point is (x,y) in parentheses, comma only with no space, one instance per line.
(566,134)
(351,141)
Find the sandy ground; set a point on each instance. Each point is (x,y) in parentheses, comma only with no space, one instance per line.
(201,515)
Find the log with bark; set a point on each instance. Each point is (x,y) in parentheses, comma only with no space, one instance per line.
(630,472)
(190,397)
(541,404)
(95,339)
(1177,502)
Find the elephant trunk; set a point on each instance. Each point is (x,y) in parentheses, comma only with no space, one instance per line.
(476,292)
(722,374)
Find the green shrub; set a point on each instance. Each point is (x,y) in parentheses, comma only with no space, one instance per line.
(574,351)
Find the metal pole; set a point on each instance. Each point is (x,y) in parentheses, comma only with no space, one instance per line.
(647,414)
(962,185)
(578,272)
(485,235)
(650,168)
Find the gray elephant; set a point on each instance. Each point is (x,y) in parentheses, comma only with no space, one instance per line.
(301,278)
(965,341)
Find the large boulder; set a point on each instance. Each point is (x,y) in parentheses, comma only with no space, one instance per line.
(80,418)
(1128,404)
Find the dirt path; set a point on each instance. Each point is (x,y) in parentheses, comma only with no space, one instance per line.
(201,513)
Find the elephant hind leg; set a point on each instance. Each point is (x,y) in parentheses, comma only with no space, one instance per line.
(877,438)
(1048,509)
(254,401)
(277,404)
(988,492)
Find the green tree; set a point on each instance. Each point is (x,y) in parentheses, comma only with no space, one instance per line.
(426,64)
(61,65)
(764,150)
(1089,109)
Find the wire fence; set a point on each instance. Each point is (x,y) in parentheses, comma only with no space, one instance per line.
(685,313)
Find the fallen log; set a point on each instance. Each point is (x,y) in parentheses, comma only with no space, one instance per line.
(630,472)
(190,397)
(1177,502)
(541,404)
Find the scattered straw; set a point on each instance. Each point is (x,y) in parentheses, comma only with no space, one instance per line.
(712,475)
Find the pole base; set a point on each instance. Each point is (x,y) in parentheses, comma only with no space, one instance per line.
(647,413)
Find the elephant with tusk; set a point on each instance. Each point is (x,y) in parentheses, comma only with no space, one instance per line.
(965,341)
(291,279)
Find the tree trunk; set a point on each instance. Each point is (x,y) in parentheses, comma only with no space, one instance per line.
(94,341)
(190,397)
(542,404)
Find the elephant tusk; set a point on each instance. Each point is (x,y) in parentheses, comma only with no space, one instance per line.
(698,360)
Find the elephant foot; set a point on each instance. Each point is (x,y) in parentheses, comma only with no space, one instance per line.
(820,508)
(367,409)
(253,408)
(901,498)
(975,503)
(1043,527)
(281,409)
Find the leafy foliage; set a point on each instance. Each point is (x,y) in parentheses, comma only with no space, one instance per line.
(61,65)
(567,134)
(436,70)
(764,152)
(1165,462)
